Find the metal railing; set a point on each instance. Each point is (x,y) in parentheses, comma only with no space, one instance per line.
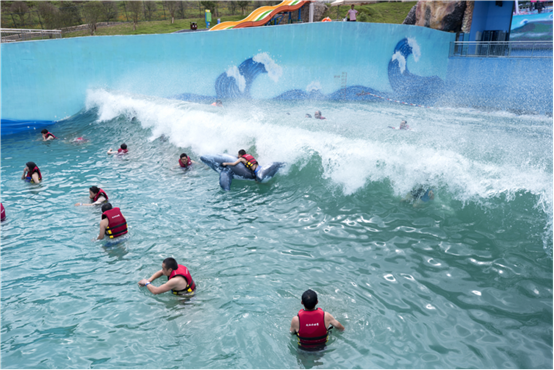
(501,49)
(14,34)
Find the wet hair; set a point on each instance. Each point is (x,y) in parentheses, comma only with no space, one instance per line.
(242,152)
(317,113)
(30,165)
(404,121)
(123,146)
(170,263)
(106,207)
(44,131)
(309,299)
(94,189)
(183,155)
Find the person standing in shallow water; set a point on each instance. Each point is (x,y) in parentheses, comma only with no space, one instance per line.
(113,224)
(97,197)
(31,173)
(311,325)
(179,280)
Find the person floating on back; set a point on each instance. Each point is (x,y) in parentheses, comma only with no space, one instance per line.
(250,162)
(185,161)
(311,325)
(47,135)
(179,280)
(97,197)
(122,150)
(113,223)
(31,173)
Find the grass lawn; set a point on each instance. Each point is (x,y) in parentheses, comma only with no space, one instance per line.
(150,27)
(394,12)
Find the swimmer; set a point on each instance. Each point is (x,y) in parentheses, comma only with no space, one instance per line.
(113,223)
(31,173)
(96,195)
(183,285)
(308,115)
(185,161)
(2,212)
(419,196)
(121,150)
(403,126)
(46,135)
(80,140)
(318,115)
(217,103)
(250,162)
(312,325)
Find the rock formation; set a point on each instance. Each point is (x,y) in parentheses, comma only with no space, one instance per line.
(439,15)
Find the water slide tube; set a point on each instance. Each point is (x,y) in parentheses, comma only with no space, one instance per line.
(262,15)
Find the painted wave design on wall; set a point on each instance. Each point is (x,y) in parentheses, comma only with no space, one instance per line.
(236,82)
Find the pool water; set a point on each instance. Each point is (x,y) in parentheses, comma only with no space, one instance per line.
(464,280)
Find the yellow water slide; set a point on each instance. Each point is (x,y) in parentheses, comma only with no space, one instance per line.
(262,15)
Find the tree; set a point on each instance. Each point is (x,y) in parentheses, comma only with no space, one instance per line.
(182,9)
(19,8)
(172,8)
(70,14)
(232,5)
(150,8)
(242,5)
(92,11)
(110,10)
(50,14)
(135,8)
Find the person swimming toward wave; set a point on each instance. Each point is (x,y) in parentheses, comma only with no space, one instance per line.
(403,126)
(122,150)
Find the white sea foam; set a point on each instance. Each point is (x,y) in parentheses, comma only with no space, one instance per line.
(401,61)
(235,73)
(273,69)
(474,156)
(416,51)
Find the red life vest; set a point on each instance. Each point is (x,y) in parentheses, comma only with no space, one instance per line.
(250,161)
(117,225)
(312,333)
(2,212)
(184,272)
(100,192)
(183,164)
(51,134)
(30,174)
(122,151)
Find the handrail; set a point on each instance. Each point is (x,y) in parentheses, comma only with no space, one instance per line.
(19,34)
(501,49)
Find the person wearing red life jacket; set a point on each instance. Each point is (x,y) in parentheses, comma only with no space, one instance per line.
(2,212)
(250,162)
(403,126)
(31,173)
(311,324)
(185,161)
(317,115)
(113,224)
(179,280)
(122,150)
(46,135)
(97,197)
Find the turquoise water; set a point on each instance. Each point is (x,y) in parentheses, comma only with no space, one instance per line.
(462,281)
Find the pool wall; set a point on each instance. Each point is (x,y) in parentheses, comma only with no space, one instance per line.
(48,79)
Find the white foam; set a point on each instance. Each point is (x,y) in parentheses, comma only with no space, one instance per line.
(416,51)
(273,70)
(235,73)
(401,61)
(314,85)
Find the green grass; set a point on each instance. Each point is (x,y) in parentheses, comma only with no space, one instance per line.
(151,27)
(394,12)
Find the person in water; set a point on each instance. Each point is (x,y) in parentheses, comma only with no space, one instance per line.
(217,103)
(46,135)
(96,195)
(179,280)
(312,325)
(420,195)
(122,150)
(31,173)
(318,115)
(185,161)
(113,224)
(403,125)
(250,162)
(308,115)
(2,212)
